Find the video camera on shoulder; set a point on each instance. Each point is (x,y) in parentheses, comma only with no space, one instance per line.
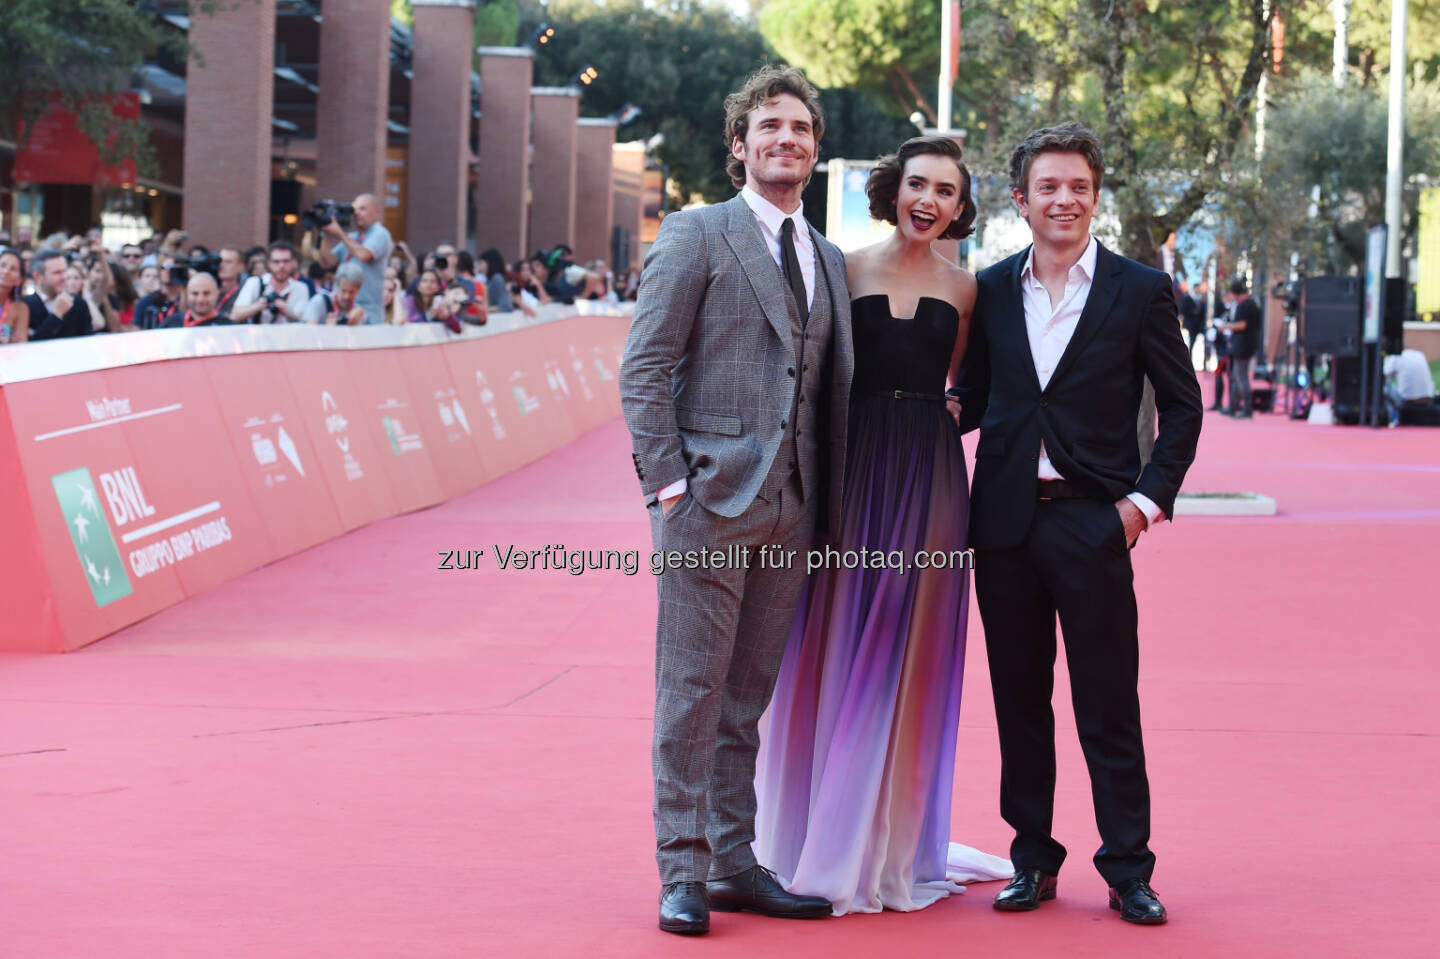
(180,271)
(325,211)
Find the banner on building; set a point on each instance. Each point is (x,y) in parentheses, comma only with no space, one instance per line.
(56,151)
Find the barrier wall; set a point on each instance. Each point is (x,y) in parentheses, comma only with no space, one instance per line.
(140,469)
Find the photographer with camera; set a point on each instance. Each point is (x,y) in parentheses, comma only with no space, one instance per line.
(341,307)
(166,299)
(446,262)
(368,245)
(276,296)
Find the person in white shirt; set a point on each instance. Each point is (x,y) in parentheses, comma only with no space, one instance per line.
(1408,383)
(276,296)
(1063,337)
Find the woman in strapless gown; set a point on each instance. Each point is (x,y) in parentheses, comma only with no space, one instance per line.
(857,758)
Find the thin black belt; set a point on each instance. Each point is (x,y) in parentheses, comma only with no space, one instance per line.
(1058,489)
(903,395)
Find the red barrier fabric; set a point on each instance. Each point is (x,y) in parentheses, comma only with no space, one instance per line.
(482,373)
(279,460)
(333,408)
(442,419)
(22,569)
(393,422)
(136,486)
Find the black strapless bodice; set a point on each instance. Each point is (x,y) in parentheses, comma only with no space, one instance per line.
(902,354)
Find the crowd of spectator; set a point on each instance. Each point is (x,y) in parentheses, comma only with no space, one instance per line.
(343,273)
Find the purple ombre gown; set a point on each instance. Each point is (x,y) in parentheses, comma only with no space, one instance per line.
(857,755)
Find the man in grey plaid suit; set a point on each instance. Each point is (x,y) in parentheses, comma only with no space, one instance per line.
(735,384)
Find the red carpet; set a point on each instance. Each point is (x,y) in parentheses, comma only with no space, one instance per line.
(351,753)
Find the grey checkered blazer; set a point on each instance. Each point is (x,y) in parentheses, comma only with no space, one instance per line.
(704,383)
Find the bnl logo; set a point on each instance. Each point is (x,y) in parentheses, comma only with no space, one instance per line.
(90,532)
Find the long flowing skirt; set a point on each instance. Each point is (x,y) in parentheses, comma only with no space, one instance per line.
(857,759)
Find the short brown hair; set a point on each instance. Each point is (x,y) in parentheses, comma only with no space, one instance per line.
(883,187)
(762,86)
(1066,138)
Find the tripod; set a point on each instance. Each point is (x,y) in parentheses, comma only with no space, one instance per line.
(1288,368)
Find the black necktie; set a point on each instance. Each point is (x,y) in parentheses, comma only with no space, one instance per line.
(792,269)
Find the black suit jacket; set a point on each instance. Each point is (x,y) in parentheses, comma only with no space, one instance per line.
(1086,415)
(45,325)
(1192,314)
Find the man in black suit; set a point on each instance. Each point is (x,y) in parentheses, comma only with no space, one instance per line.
(53,312)
(1063,336)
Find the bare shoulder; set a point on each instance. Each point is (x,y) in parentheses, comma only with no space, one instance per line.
(857,266)
(960,283)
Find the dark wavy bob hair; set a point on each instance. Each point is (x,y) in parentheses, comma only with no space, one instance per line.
(883,187)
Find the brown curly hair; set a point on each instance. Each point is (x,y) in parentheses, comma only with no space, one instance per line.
(1069,137)
(760,87)
(883,187)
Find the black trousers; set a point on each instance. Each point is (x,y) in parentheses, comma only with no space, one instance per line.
(1074,563)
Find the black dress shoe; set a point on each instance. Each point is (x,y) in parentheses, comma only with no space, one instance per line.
(684,909)
(757,890)
(1026,891)
(1137,902)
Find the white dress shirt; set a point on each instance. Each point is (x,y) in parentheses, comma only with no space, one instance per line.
(772,220)
(1050,329)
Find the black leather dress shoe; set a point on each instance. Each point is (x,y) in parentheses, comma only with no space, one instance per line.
(1137,902)
(757,890)
(1026,891)
(684,909)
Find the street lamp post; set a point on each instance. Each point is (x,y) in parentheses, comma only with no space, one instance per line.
(945,107)
(1395,157)
(1340,57)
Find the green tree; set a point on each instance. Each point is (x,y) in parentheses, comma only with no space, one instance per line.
(496,21)
(1170,87)
(876,45)
(1329,146)
(1369,46)
(858,128)
(676,61)
(80,51)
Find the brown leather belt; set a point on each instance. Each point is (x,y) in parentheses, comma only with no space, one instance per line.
(1057,489)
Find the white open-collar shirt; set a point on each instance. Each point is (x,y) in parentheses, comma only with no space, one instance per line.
(1050,329)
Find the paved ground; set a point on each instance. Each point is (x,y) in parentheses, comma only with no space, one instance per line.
(351,753)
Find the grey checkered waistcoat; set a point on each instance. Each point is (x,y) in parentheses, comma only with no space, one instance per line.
(708,376)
